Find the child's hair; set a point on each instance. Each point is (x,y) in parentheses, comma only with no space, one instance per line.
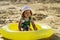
(24,12)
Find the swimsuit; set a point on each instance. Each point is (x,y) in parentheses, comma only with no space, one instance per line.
(25,24)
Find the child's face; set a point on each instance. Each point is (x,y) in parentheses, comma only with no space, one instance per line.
(27,13)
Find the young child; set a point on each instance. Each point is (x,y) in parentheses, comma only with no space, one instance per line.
(26,19)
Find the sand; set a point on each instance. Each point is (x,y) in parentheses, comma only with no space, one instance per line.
(48,13)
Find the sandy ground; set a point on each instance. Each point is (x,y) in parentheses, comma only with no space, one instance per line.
(48,13)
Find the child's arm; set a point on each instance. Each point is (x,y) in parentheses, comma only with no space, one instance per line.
(33,24)
(19,25)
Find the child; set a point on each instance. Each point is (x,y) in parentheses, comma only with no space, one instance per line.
(26,19)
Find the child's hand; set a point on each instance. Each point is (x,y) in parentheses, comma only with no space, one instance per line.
(29,29)
(21,29)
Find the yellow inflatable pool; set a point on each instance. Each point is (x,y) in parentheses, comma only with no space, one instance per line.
(11,31)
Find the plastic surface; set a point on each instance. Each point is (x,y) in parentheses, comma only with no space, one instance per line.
(11,31)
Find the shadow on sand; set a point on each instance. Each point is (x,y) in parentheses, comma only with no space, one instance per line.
(53,37)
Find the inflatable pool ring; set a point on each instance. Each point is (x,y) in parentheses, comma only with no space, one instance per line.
(11,31)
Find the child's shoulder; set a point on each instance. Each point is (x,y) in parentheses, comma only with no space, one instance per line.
(22,19)
(32,19)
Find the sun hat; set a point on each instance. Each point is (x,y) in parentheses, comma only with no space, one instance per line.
(25,8)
